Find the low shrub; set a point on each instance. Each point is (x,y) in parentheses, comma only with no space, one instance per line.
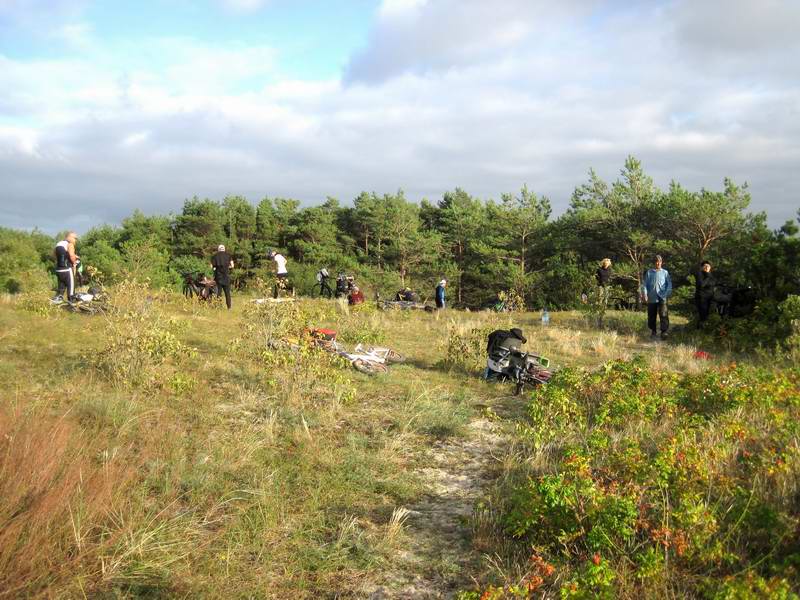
(773,326)
(275,335)
(140,338)
(361,324)
(465,345)
(687,479)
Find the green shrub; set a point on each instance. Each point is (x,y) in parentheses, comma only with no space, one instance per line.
(465,346)
(773,326)
(651,469)
(140,339)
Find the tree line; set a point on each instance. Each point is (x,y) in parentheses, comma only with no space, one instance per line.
(480,246)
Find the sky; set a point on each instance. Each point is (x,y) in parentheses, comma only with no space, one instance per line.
(110,106)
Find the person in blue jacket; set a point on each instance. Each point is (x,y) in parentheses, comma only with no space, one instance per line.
(656,289)
(440,295)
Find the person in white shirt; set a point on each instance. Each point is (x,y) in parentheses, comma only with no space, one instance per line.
(280,270)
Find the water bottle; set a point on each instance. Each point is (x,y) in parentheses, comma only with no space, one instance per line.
(545,317)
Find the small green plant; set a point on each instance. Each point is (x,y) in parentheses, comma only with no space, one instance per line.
(465,346)
(362,325)
(596,302)
(277,335)
(37,303)
(140,338)
(510,301)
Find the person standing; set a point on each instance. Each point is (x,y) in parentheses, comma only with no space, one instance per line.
(66,259)
(281,272)
(704,292)
(324,287)
(440,294)
(656,289)
(222,263)
(603,276)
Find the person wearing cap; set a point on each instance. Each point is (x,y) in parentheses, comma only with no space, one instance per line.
(656,289)
(281,272)
(500,343)
(440,294)
(66,259)
(515,340)
(222,263)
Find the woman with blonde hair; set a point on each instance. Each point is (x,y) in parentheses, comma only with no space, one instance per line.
(603,276)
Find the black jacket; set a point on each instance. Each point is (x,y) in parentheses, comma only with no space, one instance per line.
(704,284)
(603,276)
(221,262)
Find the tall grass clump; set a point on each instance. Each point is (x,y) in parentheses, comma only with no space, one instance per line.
(55,498)
(361,324)
(139,338)
(660,484)
(465,345)
(34,292)
(75,519)
(276,336)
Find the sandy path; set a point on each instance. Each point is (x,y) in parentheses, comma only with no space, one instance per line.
(457,472)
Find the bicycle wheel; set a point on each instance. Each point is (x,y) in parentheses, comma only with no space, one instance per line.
(84,308)
(368,367)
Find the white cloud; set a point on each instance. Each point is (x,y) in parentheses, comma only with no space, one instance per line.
(18,139)
(135,138)
(445,94)
(75,34)
(244,6)
(391,9)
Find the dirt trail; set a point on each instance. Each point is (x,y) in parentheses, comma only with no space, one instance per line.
(438,550)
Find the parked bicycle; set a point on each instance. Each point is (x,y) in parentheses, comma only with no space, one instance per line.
(93,302)
(200,285)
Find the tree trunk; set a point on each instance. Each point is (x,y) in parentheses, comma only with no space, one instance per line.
(460,261)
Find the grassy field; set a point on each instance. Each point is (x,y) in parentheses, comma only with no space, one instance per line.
(162,451)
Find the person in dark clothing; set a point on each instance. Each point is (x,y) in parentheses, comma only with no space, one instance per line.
(603,273)
(222,263)
(704,291)
(510,339)
(341,286)
(603,276)
(501,342)
(66,259)
(324,287)
(407,295)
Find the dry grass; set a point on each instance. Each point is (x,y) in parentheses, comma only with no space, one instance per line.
(56,495)
(288,476)
(396,523)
